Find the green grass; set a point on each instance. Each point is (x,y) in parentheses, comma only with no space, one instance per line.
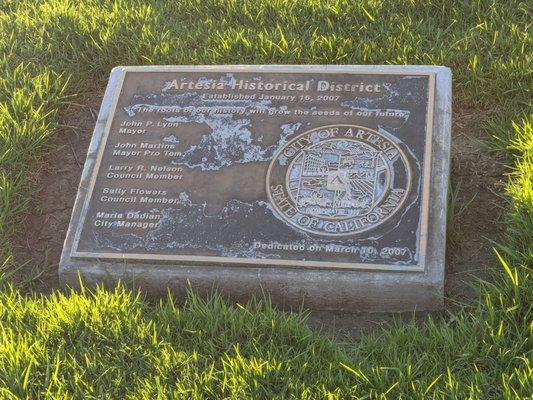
(116,345)
(113,345)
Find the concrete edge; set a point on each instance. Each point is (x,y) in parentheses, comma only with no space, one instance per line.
(88,166)
(441,157)
(437,69)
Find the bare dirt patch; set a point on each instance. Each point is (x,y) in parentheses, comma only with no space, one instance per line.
(477,171)
(479,219)
(39,243)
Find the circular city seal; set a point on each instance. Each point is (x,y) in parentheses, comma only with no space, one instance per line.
(338,180)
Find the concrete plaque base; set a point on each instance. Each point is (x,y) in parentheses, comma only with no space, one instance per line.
(325,185)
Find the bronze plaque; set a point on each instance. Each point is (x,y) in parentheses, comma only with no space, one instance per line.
(320,169)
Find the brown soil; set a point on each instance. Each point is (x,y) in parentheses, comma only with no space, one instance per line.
(479,175)
(40,240)
(478,172)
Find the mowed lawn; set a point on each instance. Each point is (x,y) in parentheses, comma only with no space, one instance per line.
(117,345)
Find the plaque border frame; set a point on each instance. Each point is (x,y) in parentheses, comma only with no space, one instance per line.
(221,261)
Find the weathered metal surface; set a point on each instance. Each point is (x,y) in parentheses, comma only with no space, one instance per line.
(332,174)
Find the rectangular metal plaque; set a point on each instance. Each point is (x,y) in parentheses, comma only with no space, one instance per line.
(318,184)
(283,167)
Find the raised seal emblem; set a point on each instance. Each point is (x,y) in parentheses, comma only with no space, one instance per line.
(338,180)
